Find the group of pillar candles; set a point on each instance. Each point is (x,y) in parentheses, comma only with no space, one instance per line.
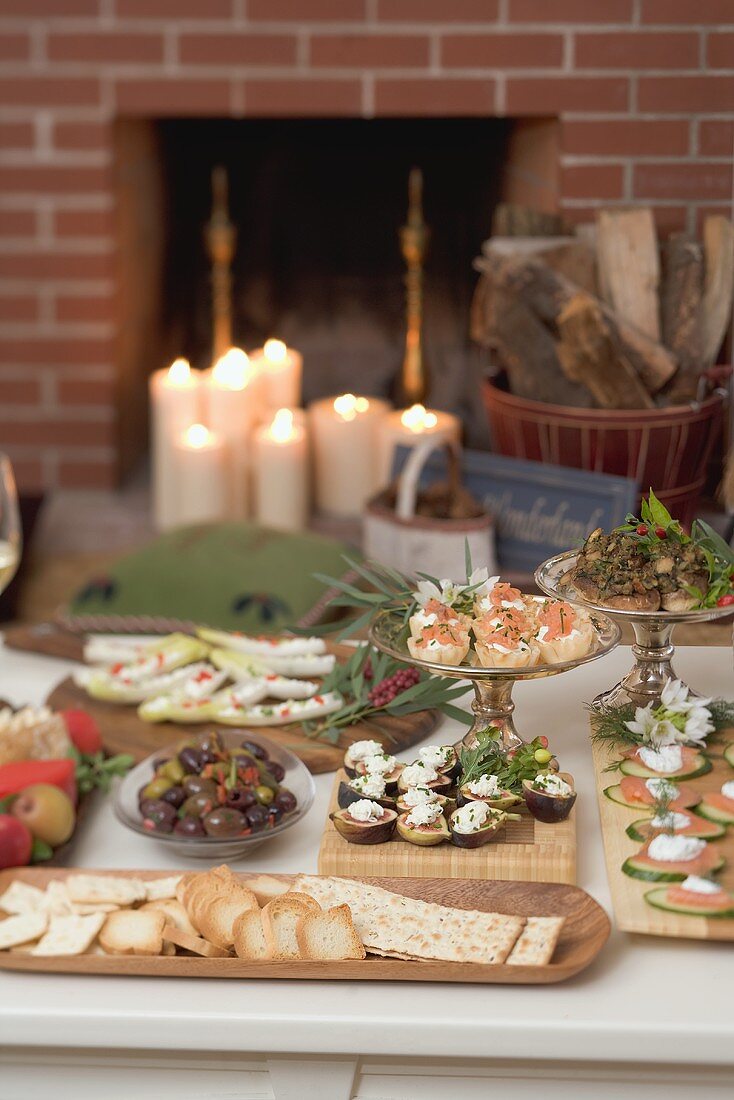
(233,442)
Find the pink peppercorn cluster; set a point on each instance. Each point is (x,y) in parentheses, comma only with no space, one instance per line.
(383,693)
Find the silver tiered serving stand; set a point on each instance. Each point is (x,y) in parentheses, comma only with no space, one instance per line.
(492,704)
(653,649)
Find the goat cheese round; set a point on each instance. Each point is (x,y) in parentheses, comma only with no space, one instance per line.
(698,885)
(379,764)
(728,789)
(435,756)
(668,758)
(671,849)
(471,818)
(360,750)
(371,786)
(365,810)
(670,821)
(552,784)
(419,796)
(417,774)
(424,814)
(487,786)
(662,788)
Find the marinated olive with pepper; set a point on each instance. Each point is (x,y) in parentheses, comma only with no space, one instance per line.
(207,790)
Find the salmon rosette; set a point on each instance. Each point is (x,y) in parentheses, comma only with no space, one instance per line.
(497,596)
(435,613)
(444,643)
(504,639)
(564,633)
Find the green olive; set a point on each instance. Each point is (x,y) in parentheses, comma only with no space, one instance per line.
(172,770)
(157,787)
(542,756)
(264,795)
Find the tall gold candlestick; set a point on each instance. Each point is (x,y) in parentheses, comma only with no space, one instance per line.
(221,238)
(414,237)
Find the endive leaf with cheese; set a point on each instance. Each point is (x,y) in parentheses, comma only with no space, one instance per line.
(264,647)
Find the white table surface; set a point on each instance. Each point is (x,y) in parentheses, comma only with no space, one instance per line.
(644,999)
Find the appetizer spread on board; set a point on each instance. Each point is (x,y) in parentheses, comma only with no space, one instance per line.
(217,923)
(676,772)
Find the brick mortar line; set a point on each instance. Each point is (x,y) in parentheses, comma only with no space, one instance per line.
(75,25)
(59,330)
(85,70)
(657,158)
(66,414)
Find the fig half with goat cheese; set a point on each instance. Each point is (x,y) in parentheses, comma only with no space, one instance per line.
(550,796)
(364,786)
(418,796)
(442,758)
(358,752)
(424,825)
(419,774)
(384,765)
(476,823)
(486,788)
(365,822)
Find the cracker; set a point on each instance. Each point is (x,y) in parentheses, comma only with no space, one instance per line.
(21,897)
(70,935)
(22,928)
(93,889)
(161,888)
(537,942)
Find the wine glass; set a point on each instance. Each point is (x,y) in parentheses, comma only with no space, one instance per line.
(11,539)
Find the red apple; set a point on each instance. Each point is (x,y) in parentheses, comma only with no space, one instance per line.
(15,842)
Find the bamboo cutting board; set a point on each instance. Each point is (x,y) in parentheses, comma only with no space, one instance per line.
(631,911)
(123,731)
(584,933)
(525,851)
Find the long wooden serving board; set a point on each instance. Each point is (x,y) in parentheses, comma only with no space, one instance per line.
(123,731)
(584,933)
(631,911)
(525,851)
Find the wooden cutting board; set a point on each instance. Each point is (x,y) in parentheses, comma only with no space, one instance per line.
(123,731)
(631,911)
(584,933)
(525,851)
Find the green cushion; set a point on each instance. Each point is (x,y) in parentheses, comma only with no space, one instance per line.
(236,576)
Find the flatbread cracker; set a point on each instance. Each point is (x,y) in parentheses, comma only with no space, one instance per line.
(21,897)
(537,942)
(22,928)
(158,889)
(391,922)
(95,889)
(70,935)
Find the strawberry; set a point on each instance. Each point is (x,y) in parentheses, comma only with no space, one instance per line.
(83,731)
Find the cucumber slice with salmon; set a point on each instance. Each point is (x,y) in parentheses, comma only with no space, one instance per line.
(632,792)
(729,754)
(643,829)
(717,807)
(693,764)
(644,867)
(673,899)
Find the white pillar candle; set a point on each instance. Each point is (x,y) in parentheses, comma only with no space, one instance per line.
(345,433)
(175,396)
(280,458)
(410,427)
(232,411)
(203,489)
(280,369)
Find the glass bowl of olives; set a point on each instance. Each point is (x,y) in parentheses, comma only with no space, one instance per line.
(217,795)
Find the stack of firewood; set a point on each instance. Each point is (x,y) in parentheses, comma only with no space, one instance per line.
(605,317)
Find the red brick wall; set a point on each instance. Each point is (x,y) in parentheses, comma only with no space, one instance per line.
(644,88)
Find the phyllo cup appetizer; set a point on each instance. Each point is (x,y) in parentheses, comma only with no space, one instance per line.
(435,613)
(365,822)
(504,639)
(443,643)
(565,633)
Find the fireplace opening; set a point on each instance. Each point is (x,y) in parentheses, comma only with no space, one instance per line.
(317,204)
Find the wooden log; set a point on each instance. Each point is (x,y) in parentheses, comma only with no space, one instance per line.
(513,220)
(629,267)
(681,311)
(548,293)
(589,353)
(718,247)
(572,257)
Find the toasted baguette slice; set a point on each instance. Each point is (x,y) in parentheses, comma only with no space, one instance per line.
(183,884)
(195,944)
(267,887)
(249,936)
(133,932)
(280,918)
(329,935)
(217,917)
(174,912)
(201,892)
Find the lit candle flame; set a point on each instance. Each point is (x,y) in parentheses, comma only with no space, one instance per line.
(179,373)
(348,406)
(276,352)
(281,427)
(198,436)
(233,371)
(417,419)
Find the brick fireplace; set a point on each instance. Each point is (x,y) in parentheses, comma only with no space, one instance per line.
(643,91)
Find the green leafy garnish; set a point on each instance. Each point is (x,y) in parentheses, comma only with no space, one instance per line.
(95,770)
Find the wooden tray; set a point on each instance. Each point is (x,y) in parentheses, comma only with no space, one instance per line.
(584,934)
(526,851)
(631,911)
(123,731)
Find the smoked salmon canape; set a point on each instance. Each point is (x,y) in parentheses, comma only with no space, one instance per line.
(694,897)
(442,643)
(499,596)
(564,633)
(436,613)
(504,639)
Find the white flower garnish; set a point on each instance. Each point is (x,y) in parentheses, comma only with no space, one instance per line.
(679,719)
